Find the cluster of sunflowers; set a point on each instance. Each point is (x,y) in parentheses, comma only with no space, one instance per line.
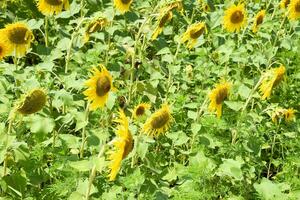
(15,40)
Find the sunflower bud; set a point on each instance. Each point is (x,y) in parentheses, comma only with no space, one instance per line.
(33,102)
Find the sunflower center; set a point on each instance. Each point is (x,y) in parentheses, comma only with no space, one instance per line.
(196,33)
(125,1)
(140,110)
(19,35)
(286,3)
(1,50)
(103,86)
(164,19)
(297,7)
(128,147)
(221,96)
(33,102)
(160,121)
(237,17)
(259,20)
(278,79)
(54,2)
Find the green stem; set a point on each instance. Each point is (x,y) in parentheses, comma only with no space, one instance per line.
(251,93)
(93,173)
(46,31)
(83,133)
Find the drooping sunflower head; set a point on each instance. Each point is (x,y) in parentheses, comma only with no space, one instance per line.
(162,20)
(193,33)
(18,36)
(235,18)
(123,145)
(50,7)
(271,79)
(294,9)
(99,86)
(32,102)
(140,110)
(122,5)
(280,113)
(94,26)
(289,115)
(284,4)
(218,95)
(159,122)
(259,18)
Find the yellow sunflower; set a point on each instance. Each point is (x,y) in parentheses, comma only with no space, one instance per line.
(287,114)
(32,102)
(235,18)
(94,26)
(18,36)
(123,145)
(259,18)
(50,7)
(122,5)
(5,48)
(159,122)
(140,110)
(270,80)
(218,95)
(284,3)
(162,20)
(99,86)
(294,9)
(193,33)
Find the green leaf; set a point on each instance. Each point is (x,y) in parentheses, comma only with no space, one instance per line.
(82,165)
(234,105)
(231,168)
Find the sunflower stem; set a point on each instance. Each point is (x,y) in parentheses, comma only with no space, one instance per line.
(83,133)
(251,93)
(93,173)
(272,152)
(46,31)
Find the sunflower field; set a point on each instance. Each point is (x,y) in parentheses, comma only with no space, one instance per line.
(149,100)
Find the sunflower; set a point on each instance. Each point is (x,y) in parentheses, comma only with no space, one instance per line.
(50,7)
(159,122)
(287,114)
(162,20)
(270,80)
(123,5)
(94,26)
(217,96)
(284,3)
(235,18)
(140,110)
(32,102)
(294,9)
(99,86)
(18,36)
(193,33)
(259,18)
(175,5)
(123,145)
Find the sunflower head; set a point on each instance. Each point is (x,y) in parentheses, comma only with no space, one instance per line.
(162,20)
(94,26)
(122,5)
(18,36)
(32,102)
(159,122)
(294,9)
(140,110)
(193,33)
(271,79)
(175,5)
(218,95)
(99,86)
(280,113)
(289,115)
(235,18)
(259,18)
(123,145)
(50,7)
(284,4)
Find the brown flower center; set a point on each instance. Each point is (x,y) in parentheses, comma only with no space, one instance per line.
(278,80)
(297,7)
(259,20)
(33,102)
(196,33)
(103,86)
(164,19)
(19,35)
(128,147)
(237,17)
(160,121)
(125,1)
(54,2)
(286,3)
(221,95)
(1,50)
(140,110)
